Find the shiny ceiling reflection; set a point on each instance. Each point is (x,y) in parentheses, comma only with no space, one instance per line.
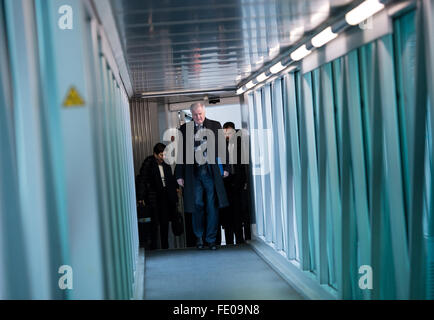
(210,44)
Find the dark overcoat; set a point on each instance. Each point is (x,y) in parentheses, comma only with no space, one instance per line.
(185,170)
(149,186)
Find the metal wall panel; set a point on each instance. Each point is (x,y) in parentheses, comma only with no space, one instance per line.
(28,125)
(359,165)
(69,168)
(14,273)
(145,131)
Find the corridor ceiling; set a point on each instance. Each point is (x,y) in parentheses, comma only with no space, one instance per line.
(210,45)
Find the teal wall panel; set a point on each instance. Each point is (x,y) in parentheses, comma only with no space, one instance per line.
(14,276)
(359,165)
(28,125)
(70,196)
(294,166)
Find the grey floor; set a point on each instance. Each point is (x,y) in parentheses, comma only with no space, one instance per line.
(230,273)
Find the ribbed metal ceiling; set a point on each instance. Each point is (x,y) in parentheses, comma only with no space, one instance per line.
(174,45)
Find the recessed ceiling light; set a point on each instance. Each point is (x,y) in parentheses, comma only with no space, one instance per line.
(261,77)
(323,37)
(363,11)
(250,84)
(300,53)
(240,90)
(277,68)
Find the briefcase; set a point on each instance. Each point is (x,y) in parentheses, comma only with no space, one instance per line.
(178,224)
(143,213)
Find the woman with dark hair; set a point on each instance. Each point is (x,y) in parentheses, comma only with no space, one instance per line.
(157,188)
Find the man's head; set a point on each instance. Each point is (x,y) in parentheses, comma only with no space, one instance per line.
(159,152)
(198,112)
(229,130)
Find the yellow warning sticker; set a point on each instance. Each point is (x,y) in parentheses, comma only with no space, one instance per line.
(73,99)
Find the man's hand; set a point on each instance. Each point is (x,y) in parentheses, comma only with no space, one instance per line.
(180,182)
(225,174)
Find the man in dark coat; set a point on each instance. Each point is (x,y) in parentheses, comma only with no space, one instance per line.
(156,186)
(199,172)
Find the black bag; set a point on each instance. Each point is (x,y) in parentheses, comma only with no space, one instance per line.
(178,224)
(144,225)
(143,213)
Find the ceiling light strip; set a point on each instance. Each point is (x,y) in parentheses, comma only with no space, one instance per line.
(355,16)
(363,11)
(300,53)
(323,37)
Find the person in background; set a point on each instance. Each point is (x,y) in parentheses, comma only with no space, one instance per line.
(232,217)
(189,237)
(156,186)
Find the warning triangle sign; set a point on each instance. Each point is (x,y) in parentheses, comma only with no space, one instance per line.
(73,98)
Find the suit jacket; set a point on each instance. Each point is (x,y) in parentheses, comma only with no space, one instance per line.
(237,170)
(185,170)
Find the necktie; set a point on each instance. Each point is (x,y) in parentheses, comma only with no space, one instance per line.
(199,144)
(230,156)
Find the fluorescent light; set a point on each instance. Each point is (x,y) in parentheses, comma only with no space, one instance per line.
(363,12)
(277,68)
(323,37)
(300,53)
(261,77)
(240,90)
(250,84)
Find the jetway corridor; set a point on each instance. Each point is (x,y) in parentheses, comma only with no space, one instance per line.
(333,105)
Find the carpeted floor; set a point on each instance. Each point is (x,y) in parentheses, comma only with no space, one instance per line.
(230,273)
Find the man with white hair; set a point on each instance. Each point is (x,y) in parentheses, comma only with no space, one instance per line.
(200,174)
